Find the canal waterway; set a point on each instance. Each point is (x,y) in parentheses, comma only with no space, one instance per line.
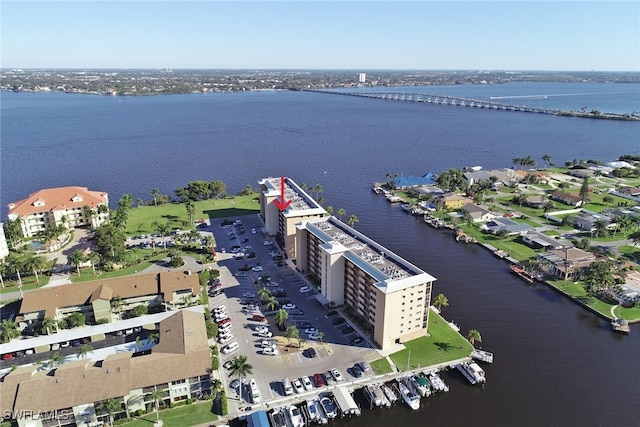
(555,363)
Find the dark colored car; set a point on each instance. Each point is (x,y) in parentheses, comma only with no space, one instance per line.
(356,341)
(338,321)
(224,322)
(311,352)
(347,330)
(258,318)
(319,380)
(357,371)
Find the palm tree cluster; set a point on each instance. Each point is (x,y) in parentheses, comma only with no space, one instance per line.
(23,263)
(524,162)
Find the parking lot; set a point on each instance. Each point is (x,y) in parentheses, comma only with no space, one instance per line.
(240,282)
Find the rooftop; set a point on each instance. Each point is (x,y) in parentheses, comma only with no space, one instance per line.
(301,203)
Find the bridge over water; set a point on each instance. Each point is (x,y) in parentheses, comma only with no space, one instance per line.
(442,100)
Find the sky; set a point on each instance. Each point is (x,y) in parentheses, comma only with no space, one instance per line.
(351,35)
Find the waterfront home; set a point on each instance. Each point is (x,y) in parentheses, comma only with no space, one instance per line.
(67,206)
(478,213)
(536,202)
(538,240)
(452,201)
(566,263)
(410,181)
(496,225)
(586,220)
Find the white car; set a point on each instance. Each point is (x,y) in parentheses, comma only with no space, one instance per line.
(307,384)
(220,317)
(269,351)
(310,331)
(265,334)
(267,343)
(314,337)
(261,328)
(230,348)
(337,375)
(253,231)
(289,306)
(223,339)
(249,294)
(257,268)
(297,385)
(304,289)
(221,309)
(225,327)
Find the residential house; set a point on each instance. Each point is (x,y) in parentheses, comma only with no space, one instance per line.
(566,198)
(536,201)
(452,201)
(478,213)
(566,263)
(538,240)
(68,206)
(586,220)
(512,227)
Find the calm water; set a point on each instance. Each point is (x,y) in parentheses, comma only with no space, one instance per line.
(555,363)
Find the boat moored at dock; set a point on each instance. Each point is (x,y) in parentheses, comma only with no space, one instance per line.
(390,394)
(376,396)
(328,407)
(408,396)
(472,372)
(295,416)
(482,356)
(316,414)
(278,417)
(420,385)
(437,382)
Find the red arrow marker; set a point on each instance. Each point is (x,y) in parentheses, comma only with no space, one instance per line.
(282,203)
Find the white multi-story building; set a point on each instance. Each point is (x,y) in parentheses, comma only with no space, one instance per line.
(391,295)
(362,77)
(68,206)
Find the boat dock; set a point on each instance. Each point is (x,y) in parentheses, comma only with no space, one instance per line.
(620,325)
(482,356)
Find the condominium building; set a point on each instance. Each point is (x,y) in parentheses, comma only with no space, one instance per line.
(390,295)
(281,224)
(75,393)
(67,206)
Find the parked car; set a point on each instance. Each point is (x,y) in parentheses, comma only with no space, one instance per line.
(265,334)
(7,356)
(314,337)
(220,309)
(328,378)
(307,384)
(269,351)
(356,341)
(319,380)
(229,364)
(223,322)
(267,343)
(223,339)
(338,321)
(249,294)
(357,372)
(259,318)
(311,352)
(261,328)
(364,366)
(337,375)
(311,331)
(296,312)
(298,387)
(229,348)
(289,306)
(257,268)
(304,289)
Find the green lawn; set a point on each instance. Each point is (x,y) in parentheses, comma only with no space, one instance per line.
(444,344)
(141,218)
(596,204)
(577,291)
(183,416)
(28,283)
(86,274)
(381,366)
(517,250)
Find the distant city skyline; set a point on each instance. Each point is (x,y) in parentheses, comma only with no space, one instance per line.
(357,35)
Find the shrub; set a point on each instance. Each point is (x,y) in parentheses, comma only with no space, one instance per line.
(223,404)
(215,363)
(139,310)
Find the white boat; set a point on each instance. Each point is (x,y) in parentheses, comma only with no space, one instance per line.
(328,407)
(316,414)
(420,385)
(482,356)
(278,418)
(437,382)
(472,372)
(295,416)
(409,397)
(376,396)
(391,395)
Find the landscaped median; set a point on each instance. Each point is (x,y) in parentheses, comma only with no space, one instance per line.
(183,416)
(444,344)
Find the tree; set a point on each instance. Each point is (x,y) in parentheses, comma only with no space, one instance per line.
(155,193)
(109,242)
(112,406)
(635,238)
(93,257)
(441,301)
(600,228)
(75,319)
(139,310)
(218,188)
(341,212)
(116,303)
(55,361)
(271,303)
(330,210)
(584,192)
(293,333)
(473,335)
(318,189)
(87,214)
(241,368)
(13,232)
(77,258)
(137,344)
(163,230)
(48,325)
(84,350)
(8,330)
(599,275)
(546,159)
(156,396)
(352,220)
(320,336)
(281,316)
(191,210)
(264,294)
(153,338)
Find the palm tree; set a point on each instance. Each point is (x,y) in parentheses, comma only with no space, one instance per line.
(330,210)
(191,210)
(320,336)
(76,258)
(137,345)
(241,368)
(264,294)
(153,338)
(441,301)
(156,395)
(94,257)
(163,230)
(87,214)
(112,406)
(600,228)
(318,189)
(635,238)
(352,220)
(281,316)
(47,325)
(55,361)
(216,386)
(116,303)
(546,159)
(271,303)
(155,193)
(8,330)
(473,335)
(84,350)
(293,333)
(341,212)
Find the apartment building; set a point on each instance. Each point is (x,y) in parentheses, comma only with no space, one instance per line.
(67,206)
(75,393)
(388,293)
(281,224)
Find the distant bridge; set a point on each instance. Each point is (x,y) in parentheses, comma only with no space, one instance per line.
(442,100)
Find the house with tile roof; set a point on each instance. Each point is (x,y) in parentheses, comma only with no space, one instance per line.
(67,206)
(74,393)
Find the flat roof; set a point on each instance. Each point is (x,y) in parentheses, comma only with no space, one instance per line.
(390,270)
(301,202)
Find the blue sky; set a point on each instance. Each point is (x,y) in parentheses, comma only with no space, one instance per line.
(360,35)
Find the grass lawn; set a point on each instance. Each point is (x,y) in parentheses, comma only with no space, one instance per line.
(381,366)
(444,344)
(516,250)
(577,290)
(86,274)
(141,218)
(527,221)
(28,283)
(183,416)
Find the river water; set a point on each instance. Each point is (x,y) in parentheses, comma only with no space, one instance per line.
(555,363)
